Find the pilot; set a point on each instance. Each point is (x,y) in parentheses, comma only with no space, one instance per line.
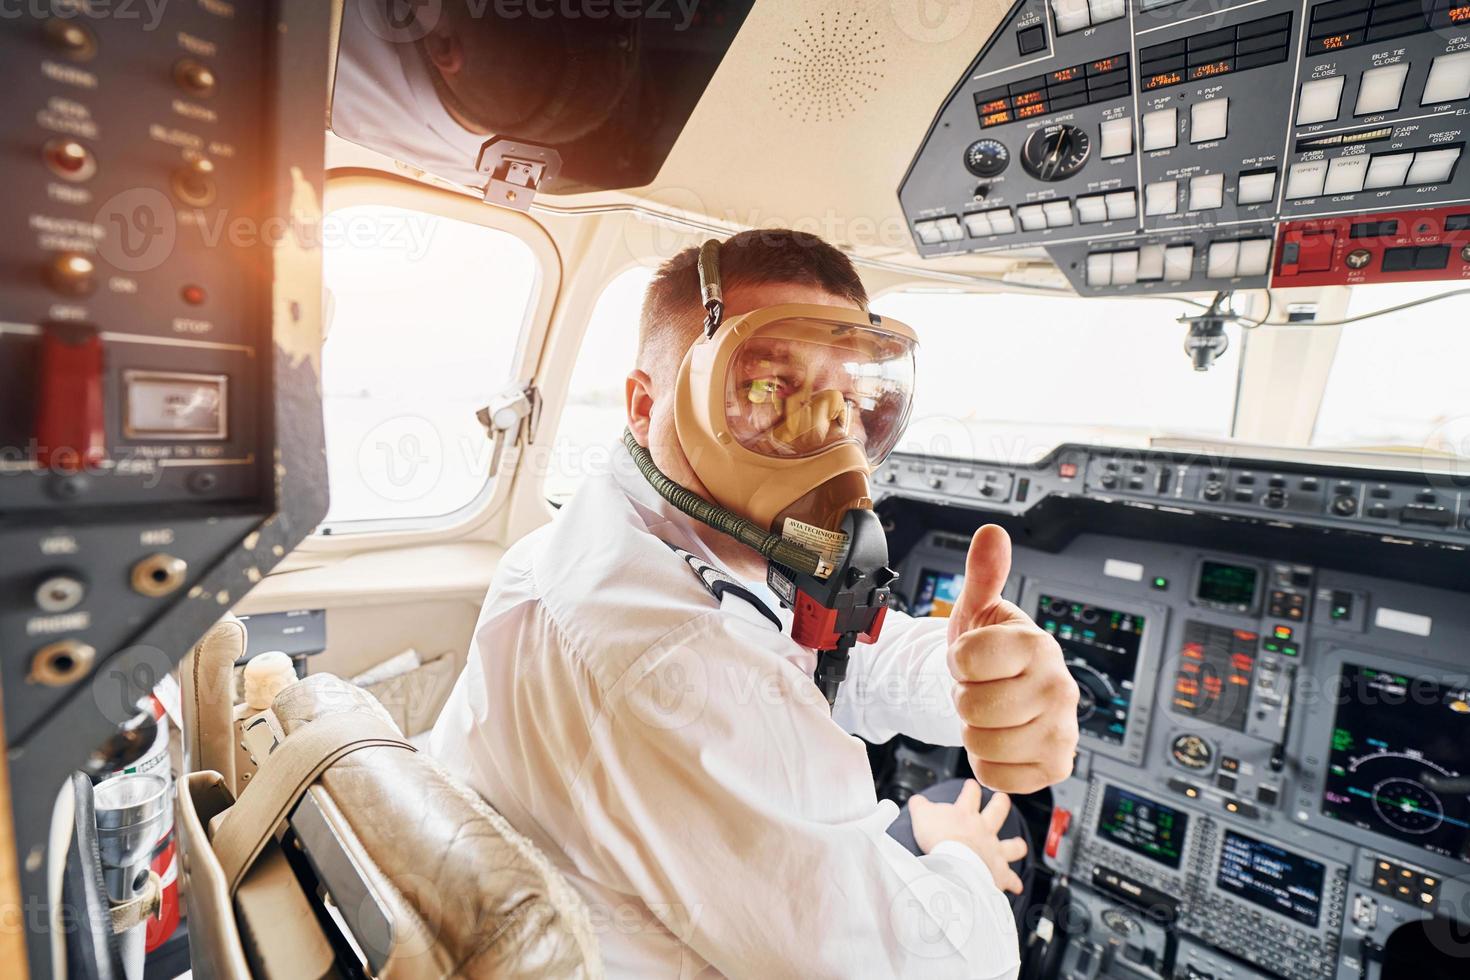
(669,750)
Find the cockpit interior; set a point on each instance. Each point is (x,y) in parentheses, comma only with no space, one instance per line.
(318,316)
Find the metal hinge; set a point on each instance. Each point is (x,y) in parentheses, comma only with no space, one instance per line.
(517,171)
(510,420)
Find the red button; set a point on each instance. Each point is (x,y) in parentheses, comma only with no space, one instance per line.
(70,434)
(1061,820)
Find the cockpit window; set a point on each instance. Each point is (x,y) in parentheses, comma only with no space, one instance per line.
(424,313)
(1010,376)
(1398,380)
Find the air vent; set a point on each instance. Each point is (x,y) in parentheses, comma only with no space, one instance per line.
(829,69)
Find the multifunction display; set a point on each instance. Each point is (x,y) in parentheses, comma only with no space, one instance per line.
(1226,586)
(1142,826)
(1271,877)
(1213,679)
(1101,650)
(1399,757)
(937,593)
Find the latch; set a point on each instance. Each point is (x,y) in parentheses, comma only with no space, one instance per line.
(517,171)
(510,420)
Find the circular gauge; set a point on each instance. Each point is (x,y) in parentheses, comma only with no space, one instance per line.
(987,157)
(1407,805)
(1093,688)
(1055,152)
(1192,752)
(1120,923)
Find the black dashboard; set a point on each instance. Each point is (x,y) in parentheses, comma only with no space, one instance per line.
(1274,766)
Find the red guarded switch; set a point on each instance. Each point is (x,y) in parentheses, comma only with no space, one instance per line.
(70,430)
(1307,251)
(1061,822)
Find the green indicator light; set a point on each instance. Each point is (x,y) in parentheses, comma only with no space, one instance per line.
(1160,582)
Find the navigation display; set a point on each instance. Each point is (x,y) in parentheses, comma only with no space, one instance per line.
(1399,758)
(1101,650)
(1142,826)
(937,593)
(1271,877)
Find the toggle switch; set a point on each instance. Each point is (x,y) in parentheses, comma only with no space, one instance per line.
(72,274)
(1303,251)
(195,78)
(69,159)
(1319,100)
(70,430)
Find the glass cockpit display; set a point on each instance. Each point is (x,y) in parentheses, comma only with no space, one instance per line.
(1142,826)
(1271,877)
(1101,650)
(937,593)
(1399,763)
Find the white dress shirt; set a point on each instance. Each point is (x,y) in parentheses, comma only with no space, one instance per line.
(673,758)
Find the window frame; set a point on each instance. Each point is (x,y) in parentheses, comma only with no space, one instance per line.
(355,189)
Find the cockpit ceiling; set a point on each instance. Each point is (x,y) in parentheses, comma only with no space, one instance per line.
(809,121)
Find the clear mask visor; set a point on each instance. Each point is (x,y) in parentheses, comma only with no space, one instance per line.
(798,387)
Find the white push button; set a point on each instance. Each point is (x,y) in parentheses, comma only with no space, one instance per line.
(1221,261)
(978,225)
(1305,179)
(950,229)
(1125,268)
(1161,197)
(1255,257)
(1209,120)
(1160,129)
(1388,170)
(1058,213)
(1319,100)
(1345,175)
(1433,166)
(1100,269)
(1206,192)
(1257,188)
(1001,222)
(1092,209)
(1449,79)
(1381,89)
(1122,204)
(1032,217)
(928,232)
(1178,263)
(1117,138)
(1151,263)
(1071,15)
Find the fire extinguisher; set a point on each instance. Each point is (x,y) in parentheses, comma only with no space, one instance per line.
(141,746)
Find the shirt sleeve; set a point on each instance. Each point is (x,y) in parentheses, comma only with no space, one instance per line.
(719,790)
(901,684)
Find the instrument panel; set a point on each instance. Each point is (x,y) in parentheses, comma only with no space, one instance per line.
(1167,147)
(1274,711)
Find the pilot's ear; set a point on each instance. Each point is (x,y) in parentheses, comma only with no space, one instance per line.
(639,391)
(445,51)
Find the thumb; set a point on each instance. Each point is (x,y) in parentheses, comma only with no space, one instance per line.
(987,567)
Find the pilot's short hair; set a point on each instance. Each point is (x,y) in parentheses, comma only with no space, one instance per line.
(673,311)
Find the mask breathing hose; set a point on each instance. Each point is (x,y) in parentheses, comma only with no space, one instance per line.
(772,547)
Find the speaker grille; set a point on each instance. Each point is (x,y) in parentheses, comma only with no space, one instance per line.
(829,69)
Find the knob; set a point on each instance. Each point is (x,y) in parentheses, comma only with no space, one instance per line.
(69,159)
(1345,506)
(1109,481)
(79,43)
(72,273)
(194,184)
(195,78)
(1275,498)
(1214,491)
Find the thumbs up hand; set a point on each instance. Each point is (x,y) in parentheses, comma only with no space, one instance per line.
(1013,692)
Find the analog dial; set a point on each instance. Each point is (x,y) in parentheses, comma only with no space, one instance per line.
(987,157)
(1055,152)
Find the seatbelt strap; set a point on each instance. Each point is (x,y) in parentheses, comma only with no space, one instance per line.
(284,776)
(721,585)
(138,910)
